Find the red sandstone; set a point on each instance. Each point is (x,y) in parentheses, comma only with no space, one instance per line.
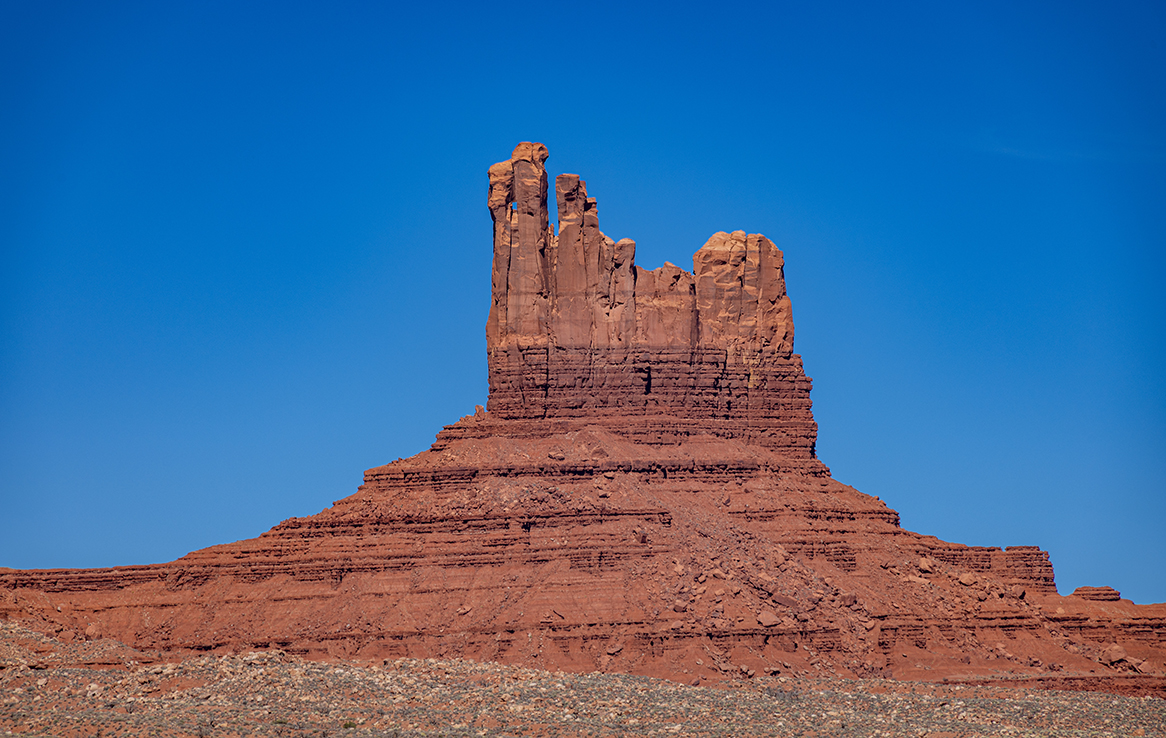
(643,495)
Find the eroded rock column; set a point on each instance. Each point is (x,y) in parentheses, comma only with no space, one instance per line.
(578,332)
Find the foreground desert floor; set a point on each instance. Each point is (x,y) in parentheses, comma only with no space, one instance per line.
(103,688)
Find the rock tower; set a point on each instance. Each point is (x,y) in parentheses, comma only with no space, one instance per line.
(579,335)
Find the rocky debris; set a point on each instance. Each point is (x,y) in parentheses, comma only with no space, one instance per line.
(645,477)
(767,619)
(1113,654)
(276,694)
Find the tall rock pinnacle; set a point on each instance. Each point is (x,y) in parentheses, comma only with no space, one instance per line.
(577,330)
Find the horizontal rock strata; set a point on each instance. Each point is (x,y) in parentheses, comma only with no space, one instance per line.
(642,495)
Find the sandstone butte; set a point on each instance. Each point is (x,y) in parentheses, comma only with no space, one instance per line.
(641,494)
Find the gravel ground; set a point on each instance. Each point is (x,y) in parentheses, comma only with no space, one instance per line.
(43,691)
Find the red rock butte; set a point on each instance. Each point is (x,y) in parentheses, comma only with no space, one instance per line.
(642,495)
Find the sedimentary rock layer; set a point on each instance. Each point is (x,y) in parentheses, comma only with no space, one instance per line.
(642,495)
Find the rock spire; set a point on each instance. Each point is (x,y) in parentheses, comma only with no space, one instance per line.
(578,331)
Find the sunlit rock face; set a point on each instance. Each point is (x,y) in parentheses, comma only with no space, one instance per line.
(577,332)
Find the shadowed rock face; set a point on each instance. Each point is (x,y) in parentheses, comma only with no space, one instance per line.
(641,496)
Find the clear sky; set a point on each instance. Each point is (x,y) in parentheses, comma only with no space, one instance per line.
(245,252)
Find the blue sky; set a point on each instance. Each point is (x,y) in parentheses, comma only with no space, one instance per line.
(245,253)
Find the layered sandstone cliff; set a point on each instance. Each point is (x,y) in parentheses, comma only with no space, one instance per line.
(641,495)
